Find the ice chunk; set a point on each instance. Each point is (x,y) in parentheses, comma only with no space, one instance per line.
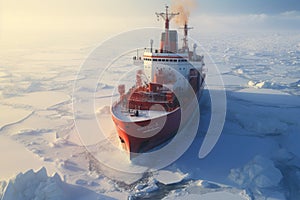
(239,71)
(258,174)
(38,185)
(169,177)
(207,184)
(144,189)
(260,84)
(2,187)
(251,83)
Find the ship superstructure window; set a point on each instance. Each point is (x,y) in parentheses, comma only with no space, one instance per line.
(148,59)
(182,60)
(165,60)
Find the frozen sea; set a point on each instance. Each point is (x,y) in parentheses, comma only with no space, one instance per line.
(54,100)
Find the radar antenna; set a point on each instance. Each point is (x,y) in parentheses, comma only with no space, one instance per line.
(167,17)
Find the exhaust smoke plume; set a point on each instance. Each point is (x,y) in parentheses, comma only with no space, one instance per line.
(184,7)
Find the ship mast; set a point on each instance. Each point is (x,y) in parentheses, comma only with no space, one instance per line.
(185,45)
(167,17)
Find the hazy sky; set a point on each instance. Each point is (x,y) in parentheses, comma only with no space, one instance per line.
(250,7)
(65,19)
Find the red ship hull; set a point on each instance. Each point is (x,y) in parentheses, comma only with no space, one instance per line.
(144,135)
(159,129)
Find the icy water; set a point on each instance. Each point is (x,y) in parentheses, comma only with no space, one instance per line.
(256,157)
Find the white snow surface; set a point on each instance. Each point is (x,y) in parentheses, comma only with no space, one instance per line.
(16,157)
(208,196)
(256,157)
(38,100)
(16,115)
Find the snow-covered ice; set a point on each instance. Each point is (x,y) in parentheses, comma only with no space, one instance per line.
(38,100)
(16,115)
(16,158)
(256,157)
(208,196)
(38,185)
(169,177)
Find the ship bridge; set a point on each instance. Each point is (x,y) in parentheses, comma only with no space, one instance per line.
(165,57)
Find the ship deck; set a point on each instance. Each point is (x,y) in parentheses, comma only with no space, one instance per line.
(129,116)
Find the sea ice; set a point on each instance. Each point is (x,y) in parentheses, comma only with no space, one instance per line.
(15,115)
(169,177)
(258,174)
(38,185)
